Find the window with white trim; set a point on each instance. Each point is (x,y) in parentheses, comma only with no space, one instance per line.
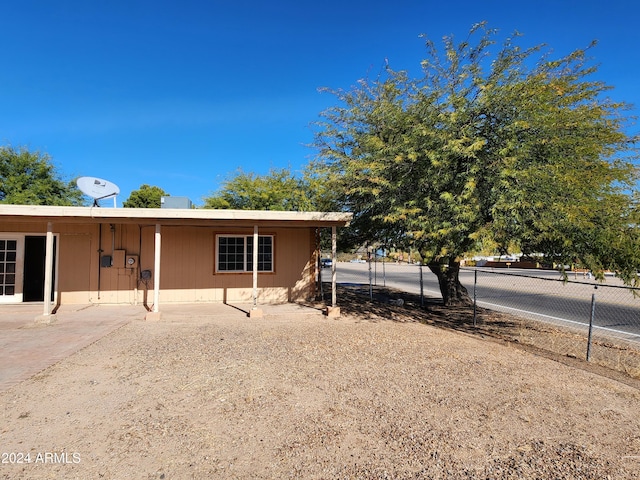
(235,253)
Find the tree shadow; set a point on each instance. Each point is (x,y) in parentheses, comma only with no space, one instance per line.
(381,304)
(389,304)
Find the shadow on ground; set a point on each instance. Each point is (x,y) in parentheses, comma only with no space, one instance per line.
(381,304)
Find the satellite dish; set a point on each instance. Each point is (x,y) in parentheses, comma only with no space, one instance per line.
(98,189)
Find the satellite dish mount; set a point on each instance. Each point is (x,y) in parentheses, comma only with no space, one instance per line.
(98,189)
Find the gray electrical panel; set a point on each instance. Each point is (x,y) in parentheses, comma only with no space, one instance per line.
(106,261)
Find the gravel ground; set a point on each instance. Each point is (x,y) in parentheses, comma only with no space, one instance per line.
(369,395)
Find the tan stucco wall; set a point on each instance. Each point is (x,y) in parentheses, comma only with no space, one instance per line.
(187,272)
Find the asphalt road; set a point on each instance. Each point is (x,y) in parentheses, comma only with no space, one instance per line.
(534,294)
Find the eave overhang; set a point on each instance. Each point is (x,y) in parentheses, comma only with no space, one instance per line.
(170,216)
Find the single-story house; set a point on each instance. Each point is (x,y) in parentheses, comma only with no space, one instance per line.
(149,256)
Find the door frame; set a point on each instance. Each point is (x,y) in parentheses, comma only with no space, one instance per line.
(19,283)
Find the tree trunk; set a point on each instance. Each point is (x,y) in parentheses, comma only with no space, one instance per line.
(453,292)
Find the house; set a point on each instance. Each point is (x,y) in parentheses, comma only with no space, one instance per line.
(93,255)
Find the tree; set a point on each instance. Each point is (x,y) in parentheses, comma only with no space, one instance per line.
(481,148)
(146,196)
(30,178)
(278,190)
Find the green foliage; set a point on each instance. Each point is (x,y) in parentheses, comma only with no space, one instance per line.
(278,190)
(146,196)
(487,148)
(30,178)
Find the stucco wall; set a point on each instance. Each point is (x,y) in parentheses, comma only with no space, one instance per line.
(187,271)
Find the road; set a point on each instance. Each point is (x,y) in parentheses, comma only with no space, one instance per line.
(545,297)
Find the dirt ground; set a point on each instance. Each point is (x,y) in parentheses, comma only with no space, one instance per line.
(372,394)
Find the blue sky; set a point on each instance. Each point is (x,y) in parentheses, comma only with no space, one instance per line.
(182,94)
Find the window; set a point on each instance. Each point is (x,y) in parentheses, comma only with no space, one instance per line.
(235,253)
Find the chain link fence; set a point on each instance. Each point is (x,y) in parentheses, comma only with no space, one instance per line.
(577,316)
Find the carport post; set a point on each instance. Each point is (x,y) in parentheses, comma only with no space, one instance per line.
(334,248)
(48,270)
(255,266)
(333,310)
(156,268)
(255,312)
(47,316)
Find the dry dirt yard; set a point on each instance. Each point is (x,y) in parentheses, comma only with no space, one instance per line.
(368,395)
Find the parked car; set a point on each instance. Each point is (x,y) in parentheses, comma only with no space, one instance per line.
(326,262)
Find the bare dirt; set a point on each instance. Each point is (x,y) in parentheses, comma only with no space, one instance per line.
(372,394)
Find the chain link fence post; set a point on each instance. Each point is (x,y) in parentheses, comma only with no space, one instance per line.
(591,319)
(375,268)
(475,300)
(384,270)
(421,287)
(370,277)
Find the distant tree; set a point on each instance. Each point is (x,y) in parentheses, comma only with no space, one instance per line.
(487,148)
(146,196)
(278,190)
(30,178)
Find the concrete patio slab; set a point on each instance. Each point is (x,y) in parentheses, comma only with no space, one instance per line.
(28,347)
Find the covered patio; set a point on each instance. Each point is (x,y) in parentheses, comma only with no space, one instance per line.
(155,257)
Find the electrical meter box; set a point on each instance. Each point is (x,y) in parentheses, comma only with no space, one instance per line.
(132,261)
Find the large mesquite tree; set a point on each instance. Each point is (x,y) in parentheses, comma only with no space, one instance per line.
(493,144)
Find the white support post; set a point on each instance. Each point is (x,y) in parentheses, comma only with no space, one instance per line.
(156,270)
(333,310)
(155,315)
(48,270)
(47,316)
(334,295)
(255,311)
(255,266)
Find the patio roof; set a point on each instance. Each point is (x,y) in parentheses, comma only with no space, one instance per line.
(169,216)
